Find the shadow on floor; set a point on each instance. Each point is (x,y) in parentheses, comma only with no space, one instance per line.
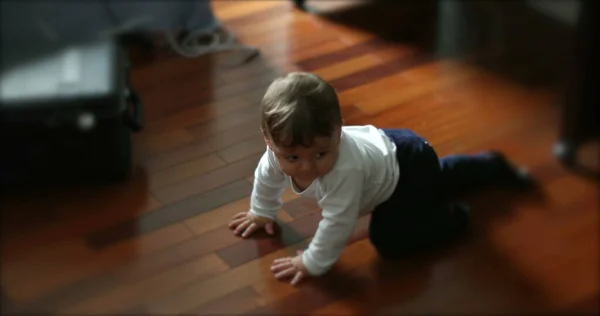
(416,280)
(507,38)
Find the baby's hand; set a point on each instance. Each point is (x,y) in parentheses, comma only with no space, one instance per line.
(290,267)
(247,223)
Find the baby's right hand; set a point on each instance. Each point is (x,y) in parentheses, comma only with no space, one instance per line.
(246,223)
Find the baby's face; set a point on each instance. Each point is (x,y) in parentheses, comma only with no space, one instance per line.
(306,164)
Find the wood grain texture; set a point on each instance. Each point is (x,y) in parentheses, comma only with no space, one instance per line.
(170,214)
(159,242)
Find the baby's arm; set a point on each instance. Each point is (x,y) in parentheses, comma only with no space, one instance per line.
(269,184)
(265,201)
(341,207)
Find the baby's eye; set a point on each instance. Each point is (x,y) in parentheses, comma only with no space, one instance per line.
(321,154)
(292,158)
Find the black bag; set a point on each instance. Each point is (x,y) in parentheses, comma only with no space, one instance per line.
(68,116)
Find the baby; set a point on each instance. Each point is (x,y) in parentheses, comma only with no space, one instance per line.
(352,170)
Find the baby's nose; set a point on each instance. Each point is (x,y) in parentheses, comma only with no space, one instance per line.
(307,166)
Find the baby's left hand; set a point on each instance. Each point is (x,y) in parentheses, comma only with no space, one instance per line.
(290,267)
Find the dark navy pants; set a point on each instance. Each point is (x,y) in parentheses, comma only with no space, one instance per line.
(419,215)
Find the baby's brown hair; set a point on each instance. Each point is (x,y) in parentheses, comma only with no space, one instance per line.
(298,108)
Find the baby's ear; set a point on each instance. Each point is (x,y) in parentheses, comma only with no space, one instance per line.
(268,141)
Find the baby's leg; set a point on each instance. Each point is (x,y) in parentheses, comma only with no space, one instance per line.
(415,216)
(460,173)
(399,232)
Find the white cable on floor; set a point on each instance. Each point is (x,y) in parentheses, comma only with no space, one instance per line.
(221,38)
(221,41)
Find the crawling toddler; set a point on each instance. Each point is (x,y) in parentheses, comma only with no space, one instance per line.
(351,170)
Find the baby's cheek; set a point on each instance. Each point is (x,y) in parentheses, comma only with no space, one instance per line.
(326,166)
(287,169)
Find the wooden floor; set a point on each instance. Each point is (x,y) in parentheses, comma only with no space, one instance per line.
(159,243)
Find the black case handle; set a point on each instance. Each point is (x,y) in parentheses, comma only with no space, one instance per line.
(135,119)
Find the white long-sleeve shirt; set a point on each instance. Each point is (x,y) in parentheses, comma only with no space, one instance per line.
(364,175)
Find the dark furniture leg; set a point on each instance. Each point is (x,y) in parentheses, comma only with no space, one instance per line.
(300,4)
(579,120)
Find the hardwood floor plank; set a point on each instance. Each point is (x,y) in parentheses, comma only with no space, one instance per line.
(16,273)
(400,118)
(444,68)
(235,303)
(256,67)
(351,113)
(267,11)
(371,74)
(247,9)
(378,87)
(295,56)
(183,154)
(138,293)
(169,215)
(259,82)
(195,247)
(301,35)
(281,296)
(347,33)
(203,147)
(350,66)
(290,233)
(298,25)
(344,54)
(418,285)
(339,307)
(219,285)
(174,70)
(135,269)
(153,145)
(208,181)
(170,103)
(7,304)
(587,306)
(84,210)
(541,227)
(243,149)
(179,97)
(225,122)
(205,222)
(75,262)
(185,171)
(391,53)
(557,195)
(266,26)
(411,92)
(249,249)
(272,290)
(206,112)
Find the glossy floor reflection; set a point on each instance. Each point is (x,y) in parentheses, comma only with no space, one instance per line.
(159,244)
